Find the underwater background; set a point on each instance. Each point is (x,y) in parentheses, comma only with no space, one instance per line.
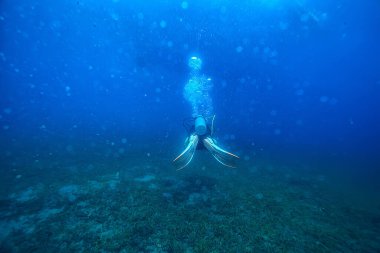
(91,113)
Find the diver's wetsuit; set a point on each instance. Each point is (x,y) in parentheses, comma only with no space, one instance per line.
(200,145)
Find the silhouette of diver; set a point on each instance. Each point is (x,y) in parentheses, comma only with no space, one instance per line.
(200,126)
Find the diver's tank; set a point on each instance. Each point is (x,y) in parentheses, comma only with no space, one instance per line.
(200,126)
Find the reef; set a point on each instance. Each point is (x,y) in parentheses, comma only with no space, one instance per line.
(152,209)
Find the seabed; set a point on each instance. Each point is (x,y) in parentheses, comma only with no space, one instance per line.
(150,207)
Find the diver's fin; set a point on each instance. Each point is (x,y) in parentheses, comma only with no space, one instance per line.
(187,155)
(222,156)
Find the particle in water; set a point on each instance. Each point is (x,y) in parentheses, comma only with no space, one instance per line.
(305,17)
(299,92)
(140,16)
(259,196)
(239,49)
(163,23)
(2,56)
(69,148)
(7,110)
(273,54)
(184,5)
(283,25)
(323,99)
(333,101)
(115,16)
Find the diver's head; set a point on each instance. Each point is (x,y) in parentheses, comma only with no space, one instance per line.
(195,63)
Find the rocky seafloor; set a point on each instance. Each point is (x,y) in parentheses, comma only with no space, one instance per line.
(147,208)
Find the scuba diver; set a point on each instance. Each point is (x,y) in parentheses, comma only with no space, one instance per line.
(200,126)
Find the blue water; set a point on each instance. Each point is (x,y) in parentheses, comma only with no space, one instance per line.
(92,106)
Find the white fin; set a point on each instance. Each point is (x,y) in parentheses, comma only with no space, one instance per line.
(187,155)
(222,156)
